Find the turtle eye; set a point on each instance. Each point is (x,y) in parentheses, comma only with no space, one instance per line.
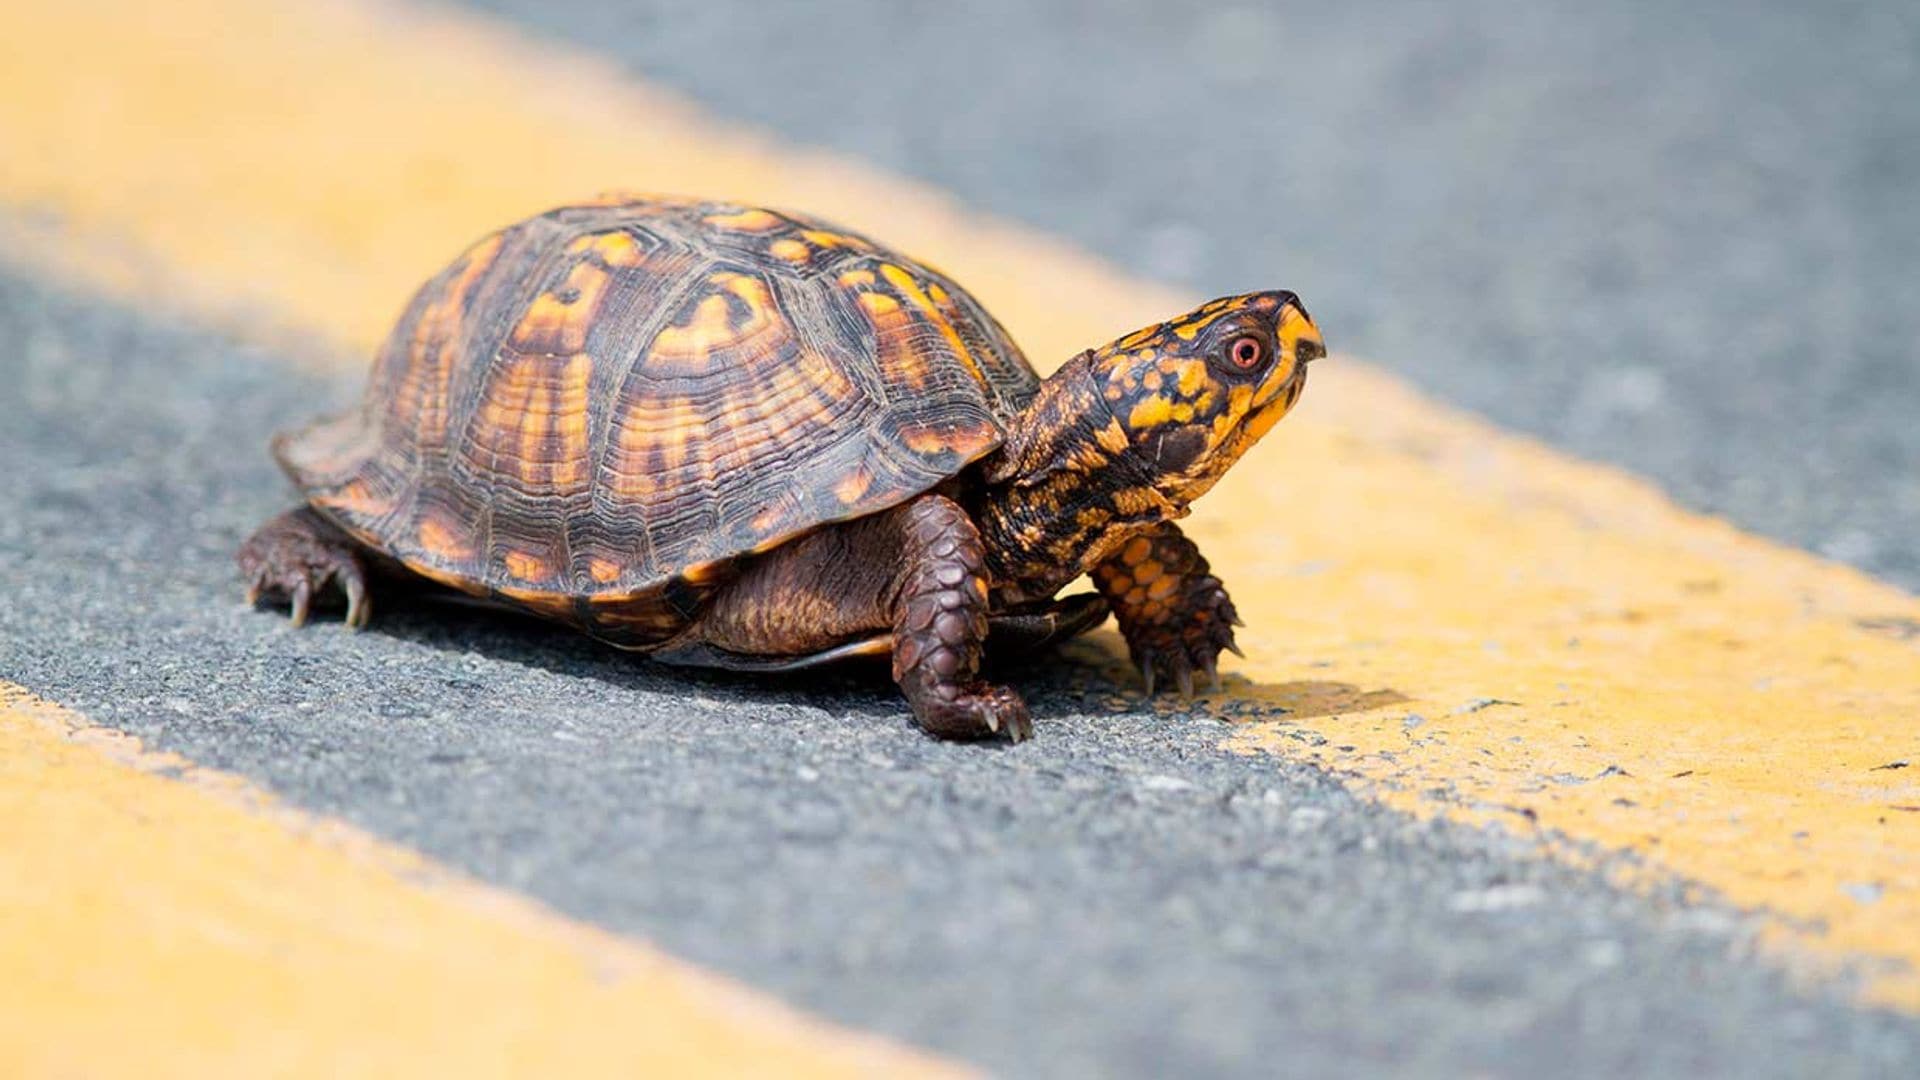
(1246,352)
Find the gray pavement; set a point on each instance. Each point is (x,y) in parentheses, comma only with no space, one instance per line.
(1682,237)
(1120,897)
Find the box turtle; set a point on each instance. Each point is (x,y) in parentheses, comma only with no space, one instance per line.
(746,438)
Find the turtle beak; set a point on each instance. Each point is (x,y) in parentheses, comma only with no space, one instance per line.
(1299,338)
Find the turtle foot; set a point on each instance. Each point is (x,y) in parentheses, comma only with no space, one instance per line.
(981,712)
(301,560)
(1174,613)
(1179,648)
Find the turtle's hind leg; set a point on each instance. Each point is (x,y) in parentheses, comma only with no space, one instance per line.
(300,559)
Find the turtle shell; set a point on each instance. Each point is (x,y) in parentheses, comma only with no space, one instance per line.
(596,413)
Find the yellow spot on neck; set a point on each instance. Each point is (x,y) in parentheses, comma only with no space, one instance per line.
(1192,374)
(1150,413)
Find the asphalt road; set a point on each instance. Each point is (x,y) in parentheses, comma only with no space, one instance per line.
(1120,897)
(1679,238)
(1683,238)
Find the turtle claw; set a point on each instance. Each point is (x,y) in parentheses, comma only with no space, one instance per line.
(301,560)
(359,606)
(1211,665)
(302,600)
(983,712)
(1183,674)
(1177,664)
(1182,639)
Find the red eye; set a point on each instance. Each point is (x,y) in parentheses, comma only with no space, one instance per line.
(1246,352)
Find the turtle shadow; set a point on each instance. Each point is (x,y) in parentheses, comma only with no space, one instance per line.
(859,686)
(1089,675)
(1239,699)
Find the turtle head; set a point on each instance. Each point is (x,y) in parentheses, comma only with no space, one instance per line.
(1129,434)
(1193,393)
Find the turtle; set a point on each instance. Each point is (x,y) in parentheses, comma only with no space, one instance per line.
(738,437)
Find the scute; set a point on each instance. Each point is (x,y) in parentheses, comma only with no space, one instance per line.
(597,412)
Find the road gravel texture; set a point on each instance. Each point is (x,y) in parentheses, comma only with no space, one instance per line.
(1682,238)
(1119,897)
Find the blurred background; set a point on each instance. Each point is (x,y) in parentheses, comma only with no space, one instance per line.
(1684,238)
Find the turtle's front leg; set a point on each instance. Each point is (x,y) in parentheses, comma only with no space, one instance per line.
(940,626)
(1174,613)
(299,558)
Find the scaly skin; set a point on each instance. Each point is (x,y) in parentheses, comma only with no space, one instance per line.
(1174,613)
(301,559)
(940,626)
(1115,447)
(1104,456)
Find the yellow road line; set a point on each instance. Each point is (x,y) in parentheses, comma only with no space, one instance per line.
(150,927)
(1709,700)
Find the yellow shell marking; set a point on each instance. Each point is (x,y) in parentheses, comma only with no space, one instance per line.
(525,566)
(420,400)
(669,440)
(557,322)
(535,411)
(909,289)
(853,485)
(825,239)
(893,333)
(551,326)
(965,439)
(356,498)
(705,573)
(791,250)
(712,327)
(879,303)
(753,220)
(441,542)
(924,440)
(618,248)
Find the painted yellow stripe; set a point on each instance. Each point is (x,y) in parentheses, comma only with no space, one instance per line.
(1708,700)
(150,927)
